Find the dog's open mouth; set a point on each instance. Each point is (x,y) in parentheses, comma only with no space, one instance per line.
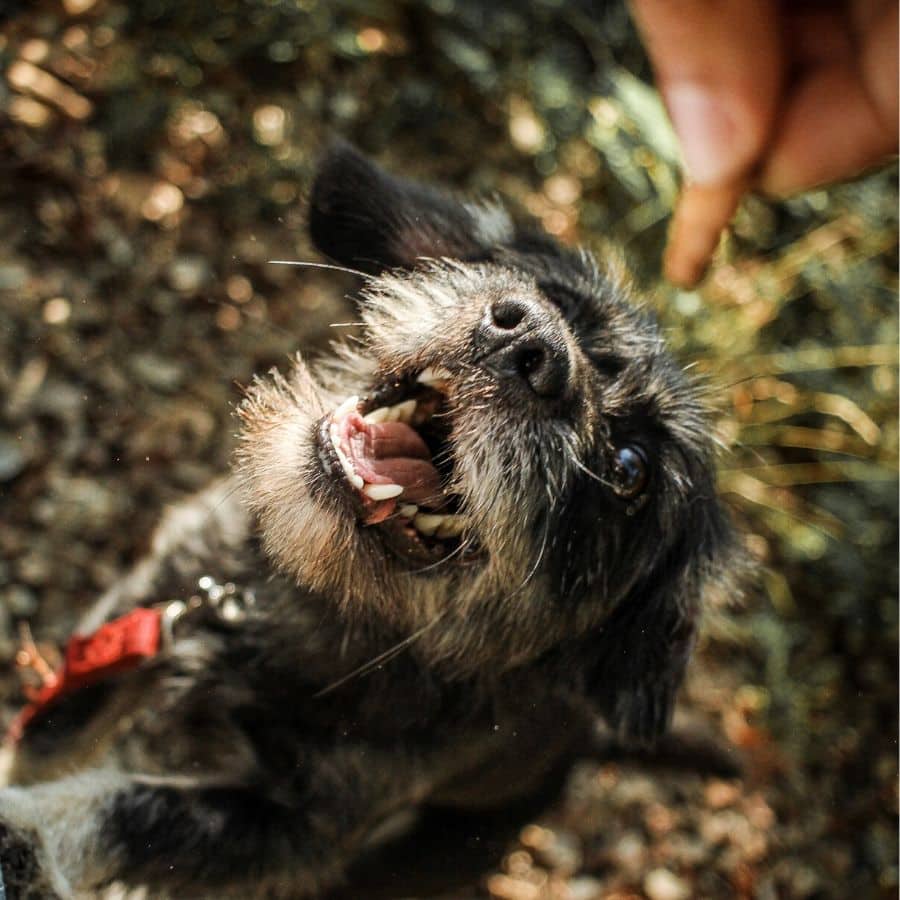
(392,451)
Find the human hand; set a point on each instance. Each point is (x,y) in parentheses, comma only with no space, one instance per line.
(773,95)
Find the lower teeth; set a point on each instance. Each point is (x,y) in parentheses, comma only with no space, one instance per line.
(439,526)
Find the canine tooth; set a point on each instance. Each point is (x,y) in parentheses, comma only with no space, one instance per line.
(377,416)
(433,375)
(408,510)
(405,411)
(352,477)
(349,405)
(382,491)
(427,524)
(452,526)
(346,465)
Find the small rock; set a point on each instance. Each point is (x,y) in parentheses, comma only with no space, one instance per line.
(688,850)
(120,251)
(19,601)
(188,274)
(157,372)
(720,794)
(661,884)
(584,888)
(12,458)
(629,852)
(34,567)
(563,852)
(12,276)
(723,827)
(76,505)
(636,789)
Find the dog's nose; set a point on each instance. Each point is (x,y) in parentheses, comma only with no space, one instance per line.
(524,341)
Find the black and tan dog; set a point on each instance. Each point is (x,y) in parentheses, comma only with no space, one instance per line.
(443,552)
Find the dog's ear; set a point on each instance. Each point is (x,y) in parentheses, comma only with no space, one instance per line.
(641,652)
(363,217)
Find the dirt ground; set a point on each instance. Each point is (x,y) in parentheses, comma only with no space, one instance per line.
(154,156)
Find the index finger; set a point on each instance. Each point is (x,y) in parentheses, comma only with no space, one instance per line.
(720,69)
(701,214)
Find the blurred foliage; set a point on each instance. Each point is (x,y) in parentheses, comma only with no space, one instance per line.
(164,161)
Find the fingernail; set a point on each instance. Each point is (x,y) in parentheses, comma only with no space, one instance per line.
(713,147)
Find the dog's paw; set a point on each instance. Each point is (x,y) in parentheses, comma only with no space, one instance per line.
(21,877)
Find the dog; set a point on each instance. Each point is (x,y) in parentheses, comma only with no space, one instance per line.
(444,551)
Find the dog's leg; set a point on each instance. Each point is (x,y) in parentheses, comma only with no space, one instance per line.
(80,833)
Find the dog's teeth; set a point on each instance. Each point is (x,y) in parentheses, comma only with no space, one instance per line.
(427,524)
(382,491)
(352,477)
(452,526)
(405,411)
(377,416)
(433,375)
(442,526)
(348,406)
(408,510)
(401,412)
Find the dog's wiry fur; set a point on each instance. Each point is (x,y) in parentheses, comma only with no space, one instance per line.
(257,757)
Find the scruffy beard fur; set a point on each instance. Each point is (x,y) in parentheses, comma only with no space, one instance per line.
(505,470)
(554,574)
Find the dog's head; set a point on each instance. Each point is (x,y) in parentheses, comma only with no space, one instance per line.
(506,459)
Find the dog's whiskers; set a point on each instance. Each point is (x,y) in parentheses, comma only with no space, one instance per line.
(306,264)
(591,474)
(380,660)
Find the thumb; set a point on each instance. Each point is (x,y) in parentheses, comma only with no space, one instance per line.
(719,67)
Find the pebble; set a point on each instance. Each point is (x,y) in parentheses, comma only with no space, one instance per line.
(720,794)
(19,600)
(561,852)
(661,884)
(629,852)
(77,505)
(157,372)
(188,274)
(12,458)
(584,888)
(12,277)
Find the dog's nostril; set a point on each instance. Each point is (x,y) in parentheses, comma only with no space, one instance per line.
(508,314)
(529,360)
(524,341)
(542,365)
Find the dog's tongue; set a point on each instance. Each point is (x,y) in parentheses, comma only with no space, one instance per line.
(391,453)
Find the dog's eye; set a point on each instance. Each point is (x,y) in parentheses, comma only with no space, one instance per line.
(630,471)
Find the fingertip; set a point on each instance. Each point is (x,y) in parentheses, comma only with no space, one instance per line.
(680,269)
(700,216)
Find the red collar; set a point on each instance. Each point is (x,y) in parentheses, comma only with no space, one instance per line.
(117,646)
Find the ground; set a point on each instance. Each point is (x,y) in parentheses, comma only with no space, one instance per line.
(154,156)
